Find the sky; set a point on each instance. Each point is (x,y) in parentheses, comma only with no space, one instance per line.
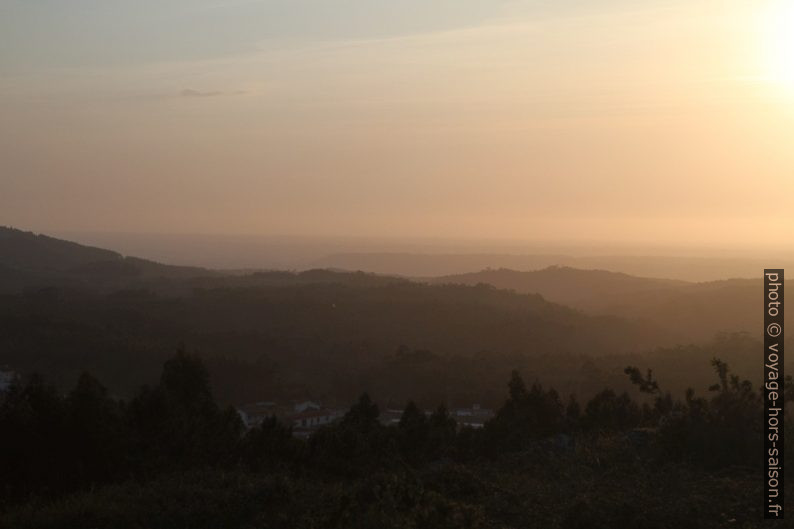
(562,120)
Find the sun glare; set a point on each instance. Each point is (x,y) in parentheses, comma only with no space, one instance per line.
(779,43)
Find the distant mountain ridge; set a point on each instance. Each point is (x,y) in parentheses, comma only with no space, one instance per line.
(591,290)
(696,311)
(433,264)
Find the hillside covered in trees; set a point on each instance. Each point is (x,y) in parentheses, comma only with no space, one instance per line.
(320,333)
(329,335)
(29,260)
(689,311)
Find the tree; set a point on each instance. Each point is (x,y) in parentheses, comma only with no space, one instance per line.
(178,424)
(413,433)
(270,446)
(441,433)
(526,416)
(356,445)
(609,411)
(573,412)
(33,426)
(363,414)
(518,390)
(96,438)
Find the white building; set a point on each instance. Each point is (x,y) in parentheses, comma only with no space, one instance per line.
(300,407)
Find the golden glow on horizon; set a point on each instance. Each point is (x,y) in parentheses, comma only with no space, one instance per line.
(778,29)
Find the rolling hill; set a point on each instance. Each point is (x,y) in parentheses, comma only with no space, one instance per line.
(33,260)
(274,332)
(694,312)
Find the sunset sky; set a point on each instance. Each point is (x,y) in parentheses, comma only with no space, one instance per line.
(610,120)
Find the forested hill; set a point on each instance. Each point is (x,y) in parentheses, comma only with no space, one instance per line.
(33,260)
(319,333)
(695,312)
(299,337)
(591,290)
(27,250)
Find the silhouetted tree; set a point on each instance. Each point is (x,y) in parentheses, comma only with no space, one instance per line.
(413,433)
(527,415)
(441,433)
(357,444)
(609,411)
(573,413)
(32,429)
(270,446)
(96,437)
(178,424)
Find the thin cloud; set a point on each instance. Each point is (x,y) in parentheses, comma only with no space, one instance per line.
(188,92)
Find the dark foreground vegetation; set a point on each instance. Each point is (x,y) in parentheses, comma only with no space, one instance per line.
(171,457)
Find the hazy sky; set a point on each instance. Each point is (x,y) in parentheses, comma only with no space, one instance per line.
(561,119)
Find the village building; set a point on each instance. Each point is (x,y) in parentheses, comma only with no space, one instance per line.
(474,417)
(303,417)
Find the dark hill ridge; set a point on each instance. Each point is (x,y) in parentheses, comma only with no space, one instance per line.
(32,260)
(30,251)
(35,260)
